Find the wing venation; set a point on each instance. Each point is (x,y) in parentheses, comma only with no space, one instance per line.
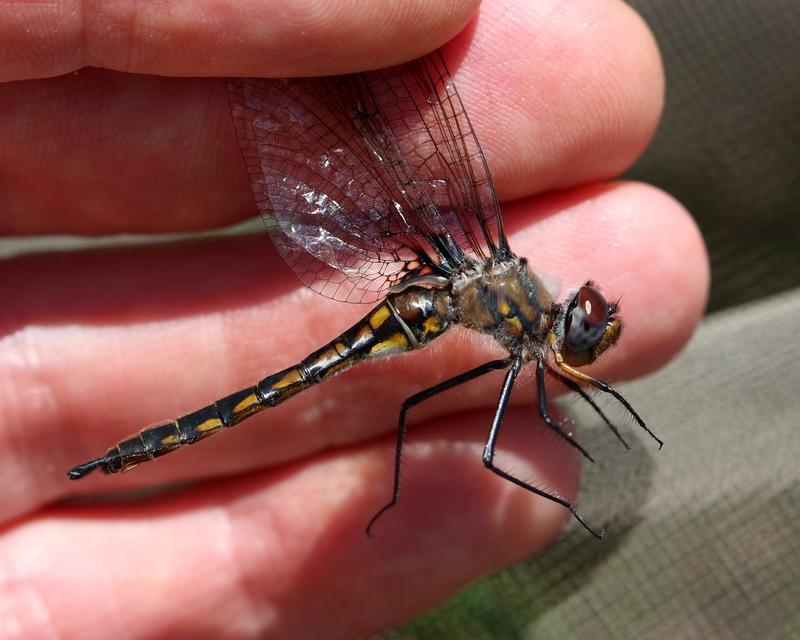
(366,179)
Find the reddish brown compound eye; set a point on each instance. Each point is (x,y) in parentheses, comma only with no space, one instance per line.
(586,320)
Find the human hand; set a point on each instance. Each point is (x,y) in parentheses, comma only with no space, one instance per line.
(96,344)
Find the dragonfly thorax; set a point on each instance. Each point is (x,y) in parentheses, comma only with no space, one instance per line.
(508,301)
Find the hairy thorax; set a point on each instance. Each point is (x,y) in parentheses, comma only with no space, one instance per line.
(506,300)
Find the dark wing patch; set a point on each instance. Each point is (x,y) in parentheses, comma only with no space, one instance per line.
(363,180)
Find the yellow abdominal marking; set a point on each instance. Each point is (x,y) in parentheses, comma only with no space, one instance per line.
(209,425)
(341,348)
(170,440)
(292,377)
(396,342)
(334,369)
(503,307)
(246,404)
(380,316)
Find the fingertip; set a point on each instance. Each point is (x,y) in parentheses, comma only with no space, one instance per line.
(669,273)
(566,93)
(629,84)
(639,244)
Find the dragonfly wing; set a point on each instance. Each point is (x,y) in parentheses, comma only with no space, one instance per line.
(366,179)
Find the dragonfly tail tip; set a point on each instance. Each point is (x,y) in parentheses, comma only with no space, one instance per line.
(76,473)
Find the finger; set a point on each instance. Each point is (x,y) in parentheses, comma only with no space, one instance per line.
(140,153)
(563,94)
(223,38)
(283,553)
(178,326)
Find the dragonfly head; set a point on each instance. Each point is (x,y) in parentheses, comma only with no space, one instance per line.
(585,327)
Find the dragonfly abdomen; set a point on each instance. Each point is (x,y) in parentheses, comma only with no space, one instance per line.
(404,321)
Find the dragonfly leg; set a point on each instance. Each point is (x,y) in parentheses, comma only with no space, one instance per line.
(415,400)
(544,412)
(574,386)
(605,388)
(488,451)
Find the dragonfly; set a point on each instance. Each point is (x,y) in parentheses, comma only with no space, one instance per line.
(374,189)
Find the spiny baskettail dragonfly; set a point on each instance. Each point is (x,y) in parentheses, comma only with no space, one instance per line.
(373,188)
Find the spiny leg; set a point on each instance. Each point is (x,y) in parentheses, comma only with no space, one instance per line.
(544,412)
(415,400)
(574,386)
(606,388)
(488,451)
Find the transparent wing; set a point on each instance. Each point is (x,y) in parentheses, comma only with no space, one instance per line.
(363,180)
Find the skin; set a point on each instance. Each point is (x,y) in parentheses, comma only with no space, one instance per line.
(97,344)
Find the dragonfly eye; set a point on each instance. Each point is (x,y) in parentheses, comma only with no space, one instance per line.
(586,321)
